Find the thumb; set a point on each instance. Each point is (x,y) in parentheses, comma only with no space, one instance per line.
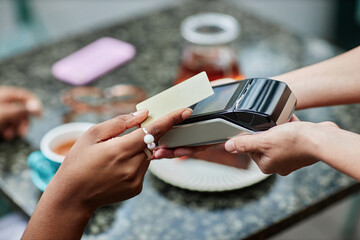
(243,144)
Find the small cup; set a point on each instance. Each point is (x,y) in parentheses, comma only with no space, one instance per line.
(44,163)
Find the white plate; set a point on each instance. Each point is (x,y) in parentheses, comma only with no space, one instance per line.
(199,175)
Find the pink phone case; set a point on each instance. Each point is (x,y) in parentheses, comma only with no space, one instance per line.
(92,61)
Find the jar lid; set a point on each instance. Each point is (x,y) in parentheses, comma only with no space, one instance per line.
(210,28)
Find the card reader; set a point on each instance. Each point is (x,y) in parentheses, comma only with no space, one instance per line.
(250,105)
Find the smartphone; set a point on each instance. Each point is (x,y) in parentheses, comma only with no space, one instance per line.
(93,61)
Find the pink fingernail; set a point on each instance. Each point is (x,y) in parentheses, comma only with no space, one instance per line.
(33,106)
(230,146)
(140,112)
(186,113)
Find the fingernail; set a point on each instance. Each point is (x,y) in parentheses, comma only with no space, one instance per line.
(182,152)
(140,112)
(186,113)
(230,146)
(155,154)
(33,106)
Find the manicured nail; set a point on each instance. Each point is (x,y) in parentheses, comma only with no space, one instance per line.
(230,146)
(33,106)
(155,154)
(140,112)
(186,113)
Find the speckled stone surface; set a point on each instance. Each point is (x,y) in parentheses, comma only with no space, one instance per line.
(162,211)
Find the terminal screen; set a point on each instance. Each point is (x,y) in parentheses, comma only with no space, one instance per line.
(217,101)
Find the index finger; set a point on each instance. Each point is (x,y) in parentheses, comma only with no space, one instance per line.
(161,152)
(114,127)
(134,141)
(10,93)
(13,113)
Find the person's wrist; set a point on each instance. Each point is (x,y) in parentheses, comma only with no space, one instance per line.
(295,85)
(66,195)
(289,80)
(313,141)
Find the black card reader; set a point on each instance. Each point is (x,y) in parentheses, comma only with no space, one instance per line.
(250,105)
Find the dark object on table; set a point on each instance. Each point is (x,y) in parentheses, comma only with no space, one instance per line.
(250,105)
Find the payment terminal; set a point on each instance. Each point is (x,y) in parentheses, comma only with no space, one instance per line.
(250,105)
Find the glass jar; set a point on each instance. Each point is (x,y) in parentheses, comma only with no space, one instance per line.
(209,47)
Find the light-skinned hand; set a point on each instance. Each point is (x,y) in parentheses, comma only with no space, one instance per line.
(212,153)
(284,148)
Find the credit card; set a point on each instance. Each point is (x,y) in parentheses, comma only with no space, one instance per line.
(182,95)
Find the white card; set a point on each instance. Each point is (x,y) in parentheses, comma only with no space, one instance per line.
(182,95)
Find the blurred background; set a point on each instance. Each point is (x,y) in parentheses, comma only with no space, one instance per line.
(27,24)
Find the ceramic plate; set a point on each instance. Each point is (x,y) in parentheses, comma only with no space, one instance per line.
(198,175)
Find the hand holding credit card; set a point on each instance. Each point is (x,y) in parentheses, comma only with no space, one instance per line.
(182,95)
(219,113)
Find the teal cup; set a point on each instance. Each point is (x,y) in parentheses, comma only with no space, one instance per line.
(43,164)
